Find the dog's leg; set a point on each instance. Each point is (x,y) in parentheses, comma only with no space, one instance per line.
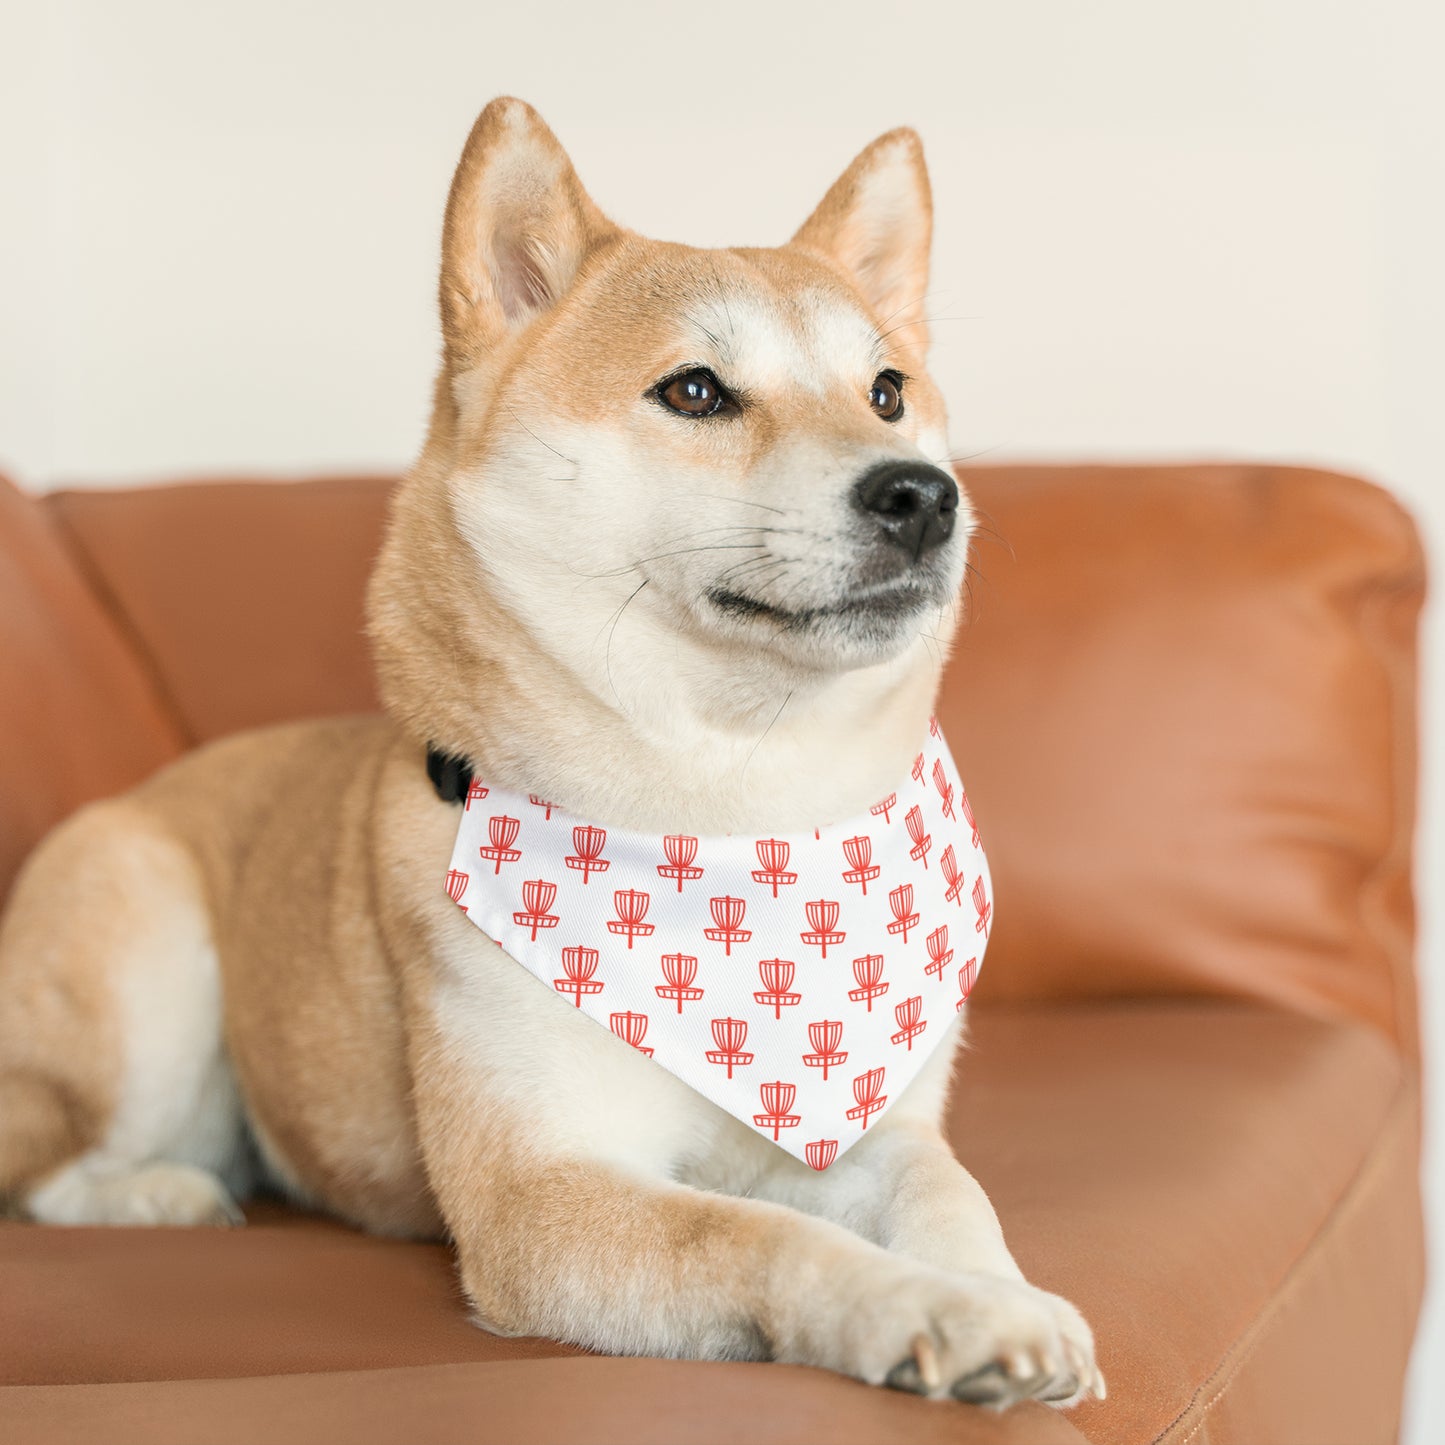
(116,1104)
(901,1188)
(618,1259)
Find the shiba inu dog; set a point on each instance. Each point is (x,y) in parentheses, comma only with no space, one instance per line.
(677,553)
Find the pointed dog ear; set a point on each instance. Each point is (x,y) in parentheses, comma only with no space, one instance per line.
(518,227)
(877,224)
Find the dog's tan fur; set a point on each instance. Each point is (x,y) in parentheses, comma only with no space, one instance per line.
(260,934)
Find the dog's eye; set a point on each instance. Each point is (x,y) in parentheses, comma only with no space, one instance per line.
(694,393)
(886,397)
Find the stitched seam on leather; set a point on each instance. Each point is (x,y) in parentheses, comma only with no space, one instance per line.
(1243,1349)
(124,623)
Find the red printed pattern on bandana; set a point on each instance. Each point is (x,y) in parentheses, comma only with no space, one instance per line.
(798,982)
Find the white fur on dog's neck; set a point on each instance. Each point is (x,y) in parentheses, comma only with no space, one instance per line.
(707,744)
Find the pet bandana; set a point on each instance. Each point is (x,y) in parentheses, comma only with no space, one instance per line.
(798,982)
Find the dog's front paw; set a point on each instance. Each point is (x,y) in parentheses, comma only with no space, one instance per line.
(976,1337)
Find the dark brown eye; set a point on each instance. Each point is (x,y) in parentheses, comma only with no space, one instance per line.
(694,393)
(886,398)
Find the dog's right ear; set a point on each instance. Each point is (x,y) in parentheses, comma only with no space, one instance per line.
(518,227)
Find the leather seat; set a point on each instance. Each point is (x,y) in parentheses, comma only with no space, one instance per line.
(1184,708)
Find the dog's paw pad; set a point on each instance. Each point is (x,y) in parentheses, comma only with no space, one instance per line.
(906,1377)
(988,1386)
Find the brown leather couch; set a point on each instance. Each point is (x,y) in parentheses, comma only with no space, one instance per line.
(1185,708)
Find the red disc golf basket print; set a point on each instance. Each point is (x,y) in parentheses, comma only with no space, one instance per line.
(822,924)
(917,769)
(825,1036)
(885,807)
(501,834)
(579,964)
(967,808)
(922,838)
(537,896)
(679,969)
(868,1095)
(933,728)
(727,917)
(900,900)
(945,788)
(821,1153)
(983,907)
(940,955)
(910,1025)
(868,974)
(777,977)
(589,843)
(777,1100)
(538,801)
(730,1035)
(862,870)
(457,886)
(631,1028)
(773,855)
(955,880)
(966,976)
(476,791)
(680,849)
(631,905)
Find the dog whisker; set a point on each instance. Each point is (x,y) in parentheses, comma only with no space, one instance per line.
(702,547)
(989,529)
(766,731)
(957,458)
(925,321)
(880,349)
(748,502)
(772,569)
(659,556)
(730,572)
(607,655)
(808,575)
(571,461)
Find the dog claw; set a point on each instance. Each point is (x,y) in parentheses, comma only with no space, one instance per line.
(1021,1365)
(919,1373)
(926,1355)
(229,1214)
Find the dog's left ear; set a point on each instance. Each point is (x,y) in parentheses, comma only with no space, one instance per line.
(877,223)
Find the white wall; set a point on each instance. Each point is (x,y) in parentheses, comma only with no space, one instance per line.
(1164,229)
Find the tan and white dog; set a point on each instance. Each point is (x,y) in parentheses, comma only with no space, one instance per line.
(676,553)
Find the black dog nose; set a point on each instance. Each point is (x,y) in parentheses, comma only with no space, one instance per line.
(913,503)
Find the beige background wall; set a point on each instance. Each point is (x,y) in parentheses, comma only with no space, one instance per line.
(1164,229)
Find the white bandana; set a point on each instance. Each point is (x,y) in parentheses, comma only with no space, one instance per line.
(799,983)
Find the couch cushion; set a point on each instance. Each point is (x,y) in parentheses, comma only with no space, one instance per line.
(248,596)
(1185,711)
(79,715)
(1223,1190)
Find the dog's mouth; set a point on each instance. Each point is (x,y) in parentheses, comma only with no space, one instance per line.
(888,603)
